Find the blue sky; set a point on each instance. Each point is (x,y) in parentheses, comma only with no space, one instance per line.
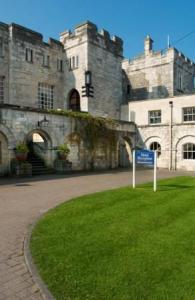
(132,20)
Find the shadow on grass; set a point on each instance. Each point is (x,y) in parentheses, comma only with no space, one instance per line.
(166,187)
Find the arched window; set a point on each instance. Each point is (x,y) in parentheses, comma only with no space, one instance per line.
(189,151)
(155,146)
(74,101)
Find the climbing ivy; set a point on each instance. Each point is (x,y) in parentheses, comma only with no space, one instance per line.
(92,129)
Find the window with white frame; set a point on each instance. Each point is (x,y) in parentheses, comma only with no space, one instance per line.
(1,47)
(2,87)
(60,65)
(189,151)
(29,55)
(45,96)
(74,62)
(154,116)
(155,146)
(46,60)
(189,114)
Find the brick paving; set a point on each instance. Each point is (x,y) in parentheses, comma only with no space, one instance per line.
(24,200)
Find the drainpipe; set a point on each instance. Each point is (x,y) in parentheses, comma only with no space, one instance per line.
(171,136)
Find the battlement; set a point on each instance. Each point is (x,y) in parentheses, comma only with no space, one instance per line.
(155,57)
(18,32)
(183,58)
(100,38)
(4,26)
(25,34)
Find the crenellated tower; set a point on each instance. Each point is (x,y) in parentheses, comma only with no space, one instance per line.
(95,52)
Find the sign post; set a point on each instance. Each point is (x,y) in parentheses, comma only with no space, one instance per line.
(133,169)
(155,170)
(147,158)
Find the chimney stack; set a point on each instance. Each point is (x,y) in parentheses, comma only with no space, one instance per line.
(148,45)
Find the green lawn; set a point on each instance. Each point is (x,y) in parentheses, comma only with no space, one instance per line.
(121,245)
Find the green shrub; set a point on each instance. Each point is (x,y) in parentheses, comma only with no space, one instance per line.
(64,149)
(22,148)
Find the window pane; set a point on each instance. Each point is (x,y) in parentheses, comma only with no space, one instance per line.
(189,114)
(45,96)
(189,151)
(155,116)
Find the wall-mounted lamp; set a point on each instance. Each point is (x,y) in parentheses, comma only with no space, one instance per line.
(87,89)
(88,78)
(43,122)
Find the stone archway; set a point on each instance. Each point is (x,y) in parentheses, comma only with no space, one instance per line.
(125,152)
(40,145)
(74,100)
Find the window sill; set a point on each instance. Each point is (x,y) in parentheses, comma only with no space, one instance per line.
(72,69)
(188,159)
(153,124)
(188,122)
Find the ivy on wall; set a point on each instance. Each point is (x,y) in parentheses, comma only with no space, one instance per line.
(92,129)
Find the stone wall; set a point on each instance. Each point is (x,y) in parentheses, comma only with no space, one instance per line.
(102,55)
(25,76)
(95,51)
(18,124)
(156,74)
(104,61)
(181,132)
(4,59)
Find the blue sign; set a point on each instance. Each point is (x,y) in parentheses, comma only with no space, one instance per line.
(144,157)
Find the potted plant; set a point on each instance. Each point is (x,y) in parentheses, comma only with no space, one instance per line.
(63,150)
(21,151)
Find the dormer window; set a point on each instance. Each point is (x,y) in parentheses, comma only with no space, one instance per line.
(29,55)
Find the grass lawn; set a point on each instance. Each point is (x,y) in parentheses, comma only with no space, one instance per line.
(121,245)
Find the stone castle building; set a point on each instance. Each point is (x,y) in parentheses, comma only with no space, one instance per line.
(150,96)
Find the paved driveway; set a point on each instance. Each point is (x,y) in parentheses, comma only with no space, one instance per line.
(23,200)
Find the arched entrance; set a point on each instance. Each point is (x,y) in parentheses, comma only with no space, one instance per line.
(74,101)
(38,143)
(125,152)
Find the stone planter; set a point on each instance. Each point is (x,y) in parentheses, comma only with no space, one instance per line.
(21,156)
(62,166)
(21,168)
(62,156)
